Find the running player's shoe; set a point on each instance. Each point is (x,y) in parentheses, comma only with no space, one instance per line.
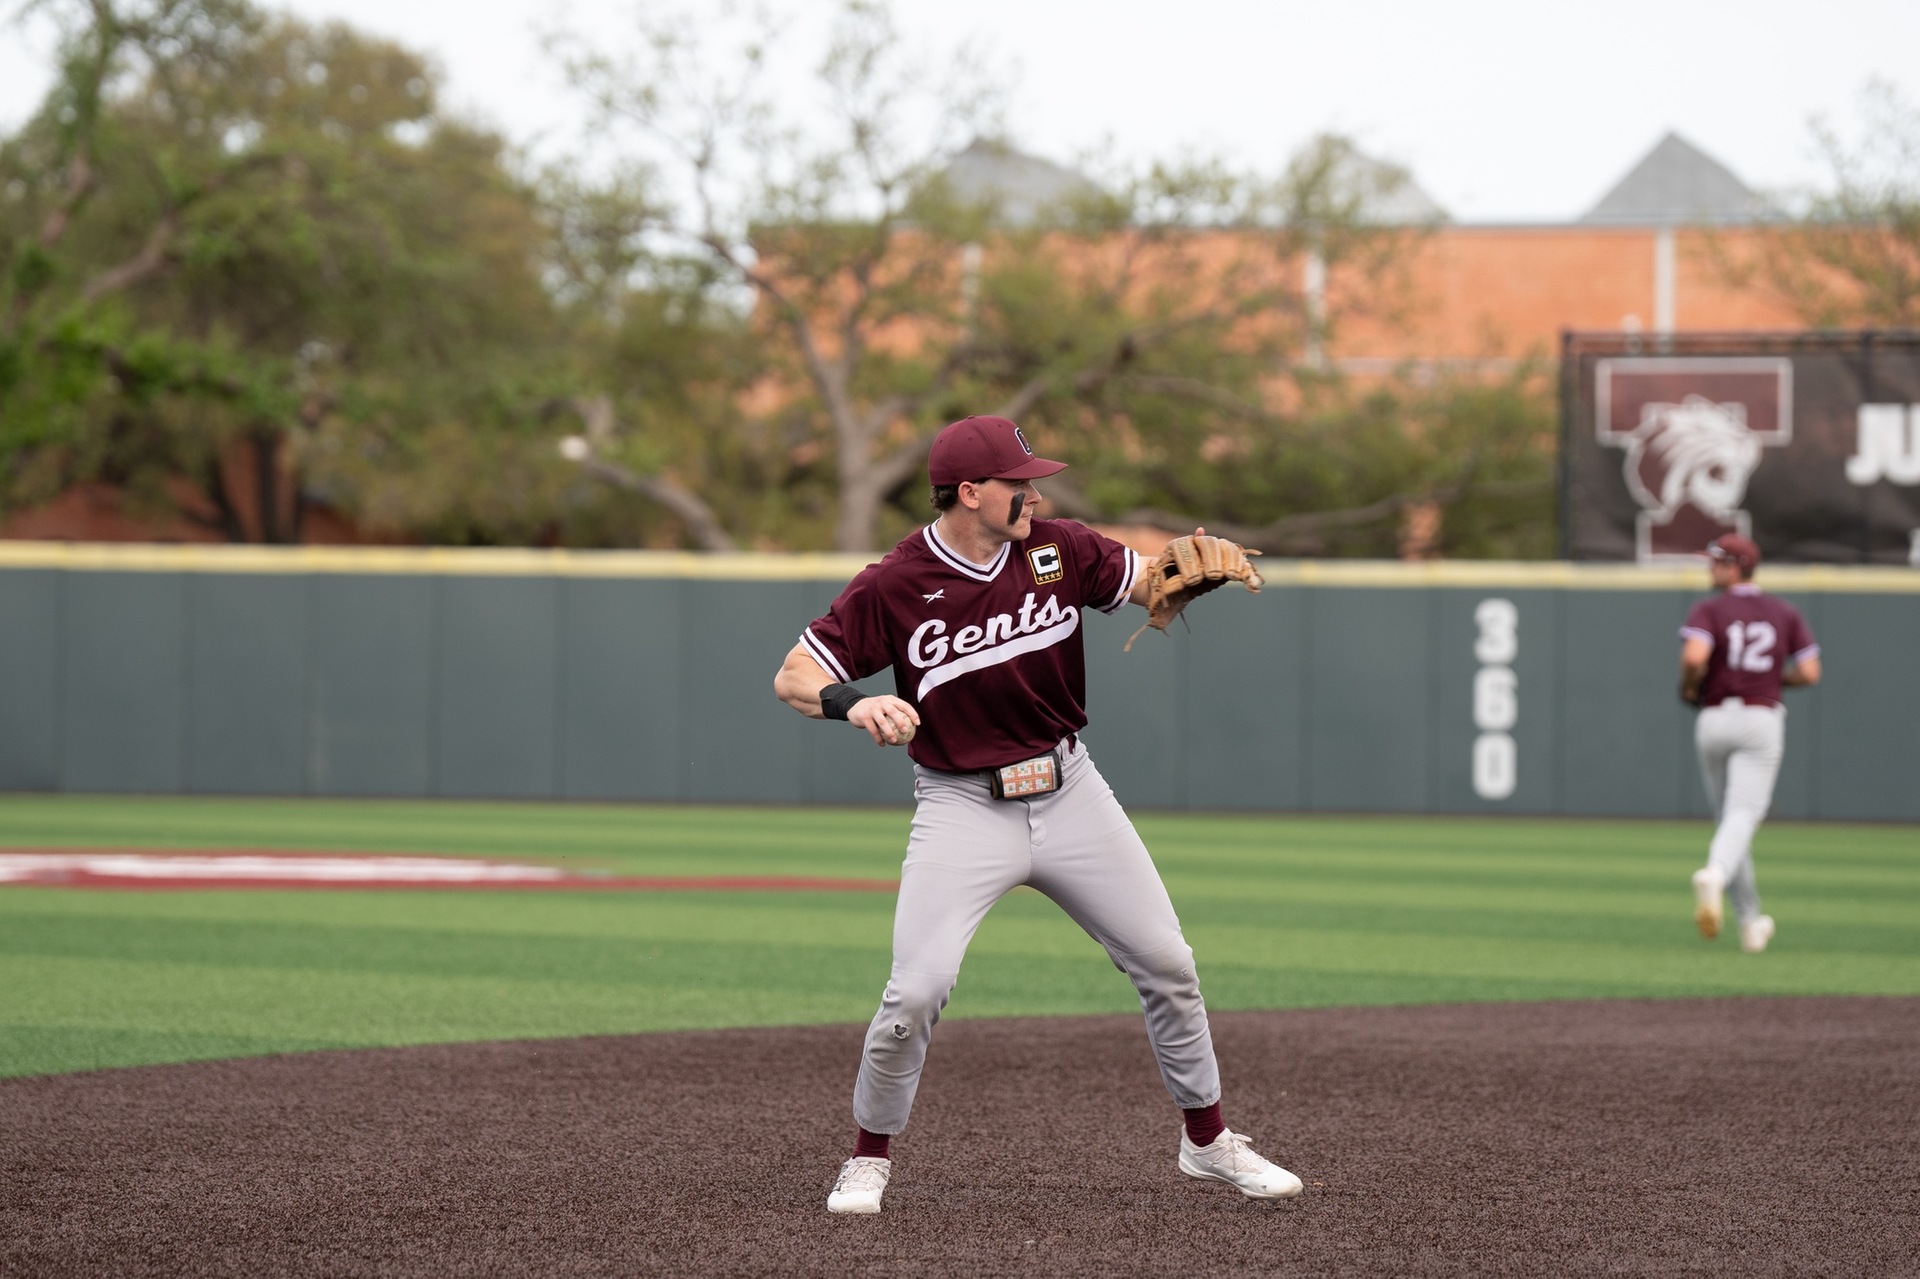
(1707,888)
(1755,933)
(861,1183)
(1231,1159)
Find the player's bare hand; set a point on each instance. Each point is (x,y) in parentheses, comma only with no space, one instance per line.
(888,720)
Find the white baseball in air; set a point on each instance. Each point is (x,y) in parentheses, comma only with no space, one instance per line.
(575,448)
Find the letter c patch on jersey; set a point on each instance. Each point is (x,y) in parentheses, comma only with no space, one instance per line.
(1047,565)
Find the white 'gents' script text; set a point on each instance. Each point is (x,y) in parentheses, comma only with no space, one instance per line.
(975,648)
(929,646)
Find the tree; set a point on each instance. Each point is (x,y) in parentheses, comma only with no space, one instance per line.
(890,303)
(1163,326)
(247,258)
(1851,257)
(819,231)
(660,359)
(249,264)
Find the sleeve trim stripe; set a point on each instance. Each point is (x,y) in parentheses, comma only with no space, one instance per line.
(824,657)
(1811,650)
(1134,564)
(1694,632)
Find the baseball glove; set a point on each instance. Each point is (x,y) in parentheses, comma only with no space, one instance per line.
(1189,568)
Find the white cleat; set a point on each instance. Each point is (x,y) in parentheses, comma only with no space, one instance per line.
(1231,1159)
(1707,888)
(1755,933)
(861,1183)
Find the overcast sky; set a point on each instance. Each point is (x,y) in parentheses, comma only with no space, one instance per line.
(1505,110)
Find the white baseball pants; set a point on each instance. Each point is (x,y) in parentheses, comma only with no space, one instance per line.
(965,852)
(1740,748)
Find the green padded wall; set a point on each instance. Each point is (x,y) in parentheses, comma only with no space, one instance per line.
(1370,688)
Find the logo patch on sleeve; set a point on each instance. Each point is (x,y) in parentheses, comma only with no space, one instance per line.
(1047,564)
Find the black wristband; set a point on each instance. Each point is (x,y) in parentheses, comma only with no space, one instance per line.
(837,699)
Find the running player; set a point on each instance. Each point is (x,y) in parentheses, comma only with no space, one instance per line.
(1738,649)
(978,614)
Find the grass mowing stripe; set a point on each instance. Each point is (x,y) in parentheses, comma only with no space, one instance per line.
(746,916)
(1515,842)
(1205,859)
(27,1044)
(1673,964)
(378,1008)
(501,829)
(1283,911)
(1551,903)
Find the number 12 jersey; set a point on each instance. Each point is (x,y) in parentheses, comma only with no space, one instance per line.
(1755,637)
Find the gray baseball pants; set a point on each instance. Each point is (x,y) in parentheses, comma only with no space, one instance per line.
(965,852)
(1740,748)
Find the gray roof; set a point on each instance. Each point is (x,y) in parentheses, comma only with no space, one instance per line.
(1677,182)
(1020,186)
(1382,194)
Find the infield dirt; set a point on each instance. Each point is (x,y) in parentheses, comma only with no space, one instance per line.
(1750,1136)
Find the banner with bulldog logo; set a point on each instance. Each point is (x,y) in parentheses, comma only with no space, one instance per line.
(1809,443)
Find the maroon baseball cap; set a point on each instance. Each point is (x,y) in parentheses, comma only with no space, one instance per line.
(985,448)
(1731,546)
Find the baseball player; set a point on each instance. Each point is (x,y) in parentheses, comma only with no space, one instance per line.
(978,614)
(1738,648)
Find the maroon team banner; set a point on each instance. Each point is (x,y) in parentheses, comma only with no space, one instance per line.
(1809,443)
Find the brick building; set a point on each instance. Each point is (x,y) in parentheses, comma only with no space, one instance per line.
(1477,296)
(1650,255)
(1645,257)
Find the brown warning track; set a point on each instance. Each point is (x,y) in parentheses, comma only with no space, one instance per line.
(1701,1137)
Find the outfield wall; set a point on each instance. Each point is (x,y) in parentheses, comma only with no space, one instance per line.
(638,676)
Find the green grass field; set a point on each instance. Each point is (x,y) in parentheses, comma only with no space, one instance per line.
(1283,912)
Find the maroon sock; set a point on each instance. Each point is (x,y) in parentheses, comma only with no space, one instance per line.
(1204,1124)
(873,1145)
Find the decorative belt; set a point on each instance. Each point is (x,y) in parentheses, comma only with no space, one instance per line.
(1028,778)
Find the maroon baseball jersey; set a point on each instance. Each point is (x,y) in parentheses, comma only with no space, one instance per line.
(1755,637)
(990,654)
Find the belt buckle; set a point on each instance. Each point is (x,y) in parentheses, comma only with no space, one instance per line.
(1027,779)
